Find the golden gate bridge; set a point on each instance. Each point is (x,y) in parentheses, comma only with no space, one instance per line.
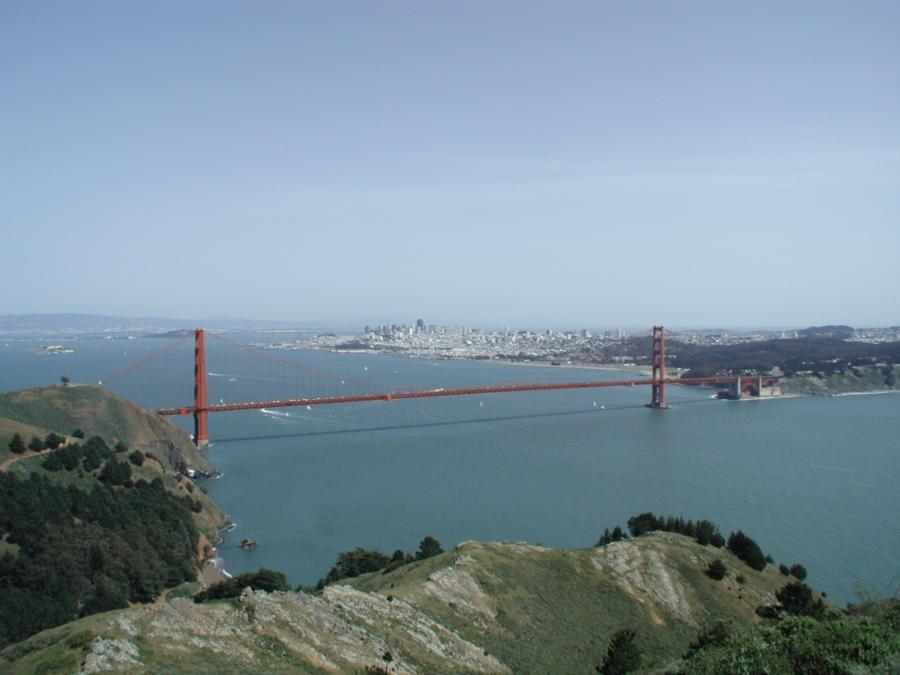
(354,390)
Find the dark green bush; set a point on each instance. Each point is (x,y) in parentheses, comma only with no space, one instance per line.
(747,550)
(115,472)
(716,570)
(428,548)
(798,571)
(623,655)
(261,580)
(797,598)
(16,445)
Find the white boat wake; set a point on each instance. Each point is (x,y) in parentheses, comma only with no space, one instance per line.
(274,413)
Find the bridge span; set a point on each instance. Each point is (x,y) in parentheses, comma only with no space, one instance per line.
(201,408)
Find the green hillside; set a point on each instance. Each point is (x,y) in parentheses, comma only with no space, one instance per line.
(481,607)
(846,381)
(98,412)
(8,428)
(96,524)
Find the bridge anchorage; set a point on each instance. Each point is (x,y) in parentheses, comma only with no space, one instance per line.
(332,389)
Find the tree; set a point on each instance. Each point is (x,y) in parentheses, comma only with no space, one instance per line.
(37,444)
(16,445)
(797,598)
(121,447)
(715,636)
(360,561)
(78,433)
(261,580)
(136,458)
(716,570)
(53,440)
(623,655)
(115,472)
(645,522)
(784,569)
(798,571)
(428,548)
(747,550)
(65,381)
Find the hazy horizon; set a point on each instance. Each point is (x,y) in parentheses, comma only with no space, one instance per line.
(572,164)
(357,322)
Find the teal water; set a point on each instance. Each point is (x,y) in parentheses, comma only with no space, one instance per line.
(813,480)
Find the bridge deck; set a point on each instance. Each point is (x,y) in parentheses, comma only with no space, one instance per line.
(434,393)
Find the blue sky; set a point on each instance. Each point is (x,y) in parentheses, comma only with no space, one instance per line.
(521,163)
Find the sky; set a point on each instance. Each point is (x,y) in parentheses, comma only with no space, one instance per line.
(568,164)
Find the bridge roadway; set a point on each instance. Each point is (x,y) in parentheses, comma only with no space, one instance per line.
(434,393)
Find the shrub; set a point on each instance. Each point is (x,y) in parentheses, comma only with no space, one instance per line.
(839,646)
(797,598)
(707,533)
(643,523)
(623,655)
(747,550)
(716,570)
(798,571)
(78,433)
(115,472)
(715,636)
(16,445)
(121,447)
(95,452)
(262,580)
(608,537)
(428,548)
(136,458)
(784,569)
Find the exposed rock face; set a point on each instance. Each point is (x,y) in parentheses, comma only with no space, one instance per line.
(479,608)
(649,577)
(107,655)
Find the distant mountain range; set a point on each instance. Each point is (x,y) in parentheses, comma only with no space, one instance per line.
(56,324)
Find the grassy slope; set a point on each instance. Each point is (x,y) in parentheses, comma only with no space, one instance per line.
(870,379)
(8,428)
(556,609)
(98,412)
(482,607)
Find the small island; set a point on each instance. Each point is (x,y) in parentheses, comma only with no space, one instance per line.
(53,349)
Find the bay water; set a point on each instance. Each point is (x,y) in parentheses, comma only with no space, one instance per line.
(813,480)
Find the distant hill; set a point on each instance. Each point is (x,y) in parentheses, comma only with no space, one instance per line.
(479,608)
(826,355)
(55,324)
(836,332)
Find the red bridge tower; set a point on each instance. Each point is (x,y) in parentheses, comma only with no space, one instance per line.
(201,440)
(658,360)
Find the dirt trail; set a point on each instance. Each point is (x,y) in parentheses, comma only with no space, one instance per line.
(25,455)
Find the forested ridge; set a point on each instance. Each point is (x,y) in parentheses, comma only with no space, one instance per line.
(67,551)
